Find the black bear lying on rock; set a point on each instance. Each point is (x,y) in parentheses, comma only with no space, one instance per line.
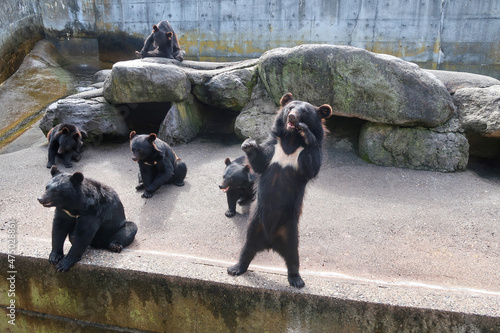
(65,141)
(158,163)
(165,43)
(284,164)
(87,211)
(237,182)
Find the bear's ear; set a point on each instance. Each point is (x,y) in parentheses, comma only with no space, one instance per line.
(132,135)
(169,35)
(287,98)
(65,130)
(325,111)
(152,137)
(77,136)
(84,134)
(155,28)
(76,178)
(54,170)
(227,161)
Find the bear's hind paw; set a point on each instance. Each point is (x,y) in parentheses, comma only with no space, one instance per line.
(236,270)
(115,247)
(296,281)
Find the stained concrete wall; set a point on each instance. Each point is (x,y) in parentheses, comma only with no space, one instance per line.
(439,32)
(20,28)
(97,299)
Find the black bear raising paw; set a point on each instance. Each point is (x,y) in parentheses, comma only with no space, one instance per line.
(284,163)
(158,163)
(87,211)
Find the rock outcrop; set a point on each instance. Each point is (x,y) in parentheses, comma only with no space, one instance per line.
(412,120)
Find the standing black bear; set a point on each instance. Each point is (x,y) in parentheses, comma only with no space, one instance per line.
(237,182)
(65,141)
(89,212)
(164,40)
(285,163)
(158,163)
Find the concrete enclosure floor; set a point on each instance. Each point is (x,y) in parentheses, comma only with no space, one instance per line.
(368,233)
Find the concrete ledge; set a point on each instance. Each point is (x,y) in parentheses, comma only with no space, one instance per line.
(99,299)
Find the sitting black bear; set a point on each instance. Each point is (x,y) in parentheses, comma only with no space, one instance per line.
(158,163)
(65,141)
(237,182)
(284,164)
(165,43)
(87,211)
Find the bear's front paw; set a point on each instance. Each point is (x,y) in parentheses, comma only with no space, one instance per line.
(301,127)
(50,164)
(115,247)
(147,194)
(139,187)
(68,165)
(296,281)
(55,257)
(248,145)
(230,213)
(65,264)
(236,270)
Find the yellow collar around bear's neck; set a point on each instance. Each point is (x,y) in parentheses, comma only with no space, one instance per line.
(71,215)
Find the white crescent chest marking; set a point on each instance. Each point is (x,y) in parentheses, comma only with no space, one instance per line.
(283,159)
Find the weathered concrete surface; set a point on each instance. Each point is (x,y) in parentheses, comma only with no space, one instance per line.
(40,80)
(378,247)
(21,27)
(165,303)
(439,32)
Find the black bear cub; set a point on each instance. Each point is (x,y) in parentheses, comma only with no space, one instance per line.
(65,141)
(158,163)
(87,211)
(284,164)
(165,43)
(237,182)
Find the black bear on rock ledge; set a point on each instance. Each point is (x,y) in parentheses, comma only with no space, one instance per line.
(165,43)
(284,165)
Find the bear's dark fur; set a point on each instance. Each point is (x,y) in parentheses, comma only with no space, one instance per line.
(87,211)
(284,164)
(65,141)
(237,182)
(158,163)
(165,43)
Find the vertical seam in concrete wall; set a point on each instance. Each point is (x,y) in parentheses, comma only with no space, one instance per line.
(440,54)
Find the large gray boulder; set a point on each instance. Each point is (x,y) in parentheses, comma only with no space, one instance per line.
(101,120)
(182,123)
(228,90)
(357,83)
(479,110)
(454,81)
(414,148)
(257,117)
(138,81)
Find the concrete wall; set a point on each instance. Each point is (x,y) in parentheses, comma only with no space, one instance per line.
(431,31)
(437,33)
(98,299)
(20,28)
